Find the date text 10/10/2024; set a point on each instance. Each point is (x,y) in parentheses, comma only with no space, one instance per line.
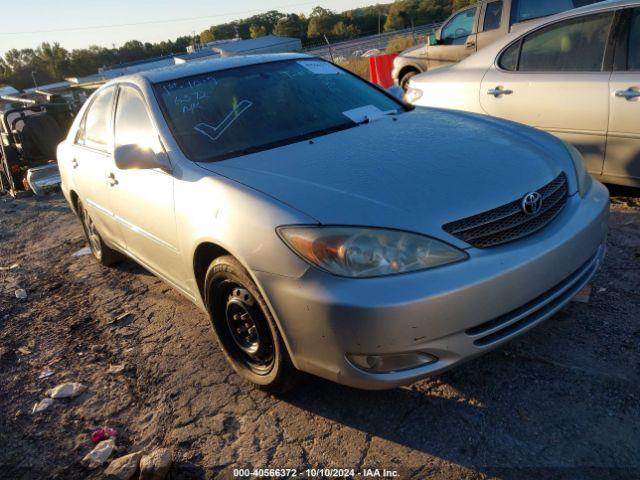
(315,473)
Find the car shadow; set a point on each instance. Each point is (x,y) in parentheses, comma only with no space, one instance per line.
(131,266)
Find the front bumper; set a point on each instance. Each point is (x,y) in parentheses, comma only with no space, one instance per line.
(454,312)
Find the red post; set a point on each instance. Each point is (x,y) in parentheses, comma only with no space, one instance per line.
(380,68)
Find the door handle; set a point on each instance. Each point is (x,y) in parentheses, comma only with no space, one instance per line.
(112,180)
(498,91)
(74,163)
(629,94)
(470,44)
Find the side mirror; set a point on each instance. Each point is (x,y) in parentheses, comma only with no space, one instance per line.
(397,92)
(132,156)
(433,39)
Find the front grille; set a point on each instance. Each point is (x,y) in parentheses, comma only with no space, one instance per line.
(508,222)
(537,309)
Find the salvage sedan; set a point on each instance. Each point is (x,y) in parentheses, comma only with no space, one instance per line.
(325,226)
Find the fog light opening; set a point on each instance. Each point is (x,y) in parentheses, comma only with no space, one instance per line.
(390,363)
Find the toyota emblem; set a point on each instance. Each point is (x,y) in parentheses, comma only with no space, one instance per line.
(531,203)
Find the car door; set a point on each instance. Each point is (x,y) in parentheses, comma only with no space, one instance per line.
(494,23)
(457,39)
(142,200)
(91,156)
(556,79)
(623,138)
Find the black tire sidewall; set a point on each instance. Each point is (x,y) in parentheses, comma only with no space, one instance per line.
(81,216)
(404,81)
(107,255)
(282,373)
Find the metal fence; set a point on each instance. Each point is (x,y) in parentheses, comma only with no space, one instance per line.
(357,47)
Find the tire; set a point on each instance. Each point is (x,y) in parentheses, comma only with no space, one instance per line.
(246,330)
(404,81)
(100,250)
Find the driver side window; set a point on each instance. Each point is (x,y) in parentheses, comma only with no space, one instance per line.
(459,27)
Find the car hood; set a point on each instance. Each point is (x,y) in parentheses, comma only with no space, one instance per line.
(416,171)
(416,51)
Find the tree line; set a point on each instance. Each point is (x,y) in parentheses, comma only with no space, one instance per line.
(50,62)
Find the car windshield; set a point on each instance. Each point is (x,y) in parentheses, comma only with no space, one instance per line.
(233,112)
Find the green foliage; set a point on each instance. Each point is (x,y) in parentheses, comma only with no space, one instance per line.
(405,13)
(257,31)
(291,26)
(458,4)
(206,36)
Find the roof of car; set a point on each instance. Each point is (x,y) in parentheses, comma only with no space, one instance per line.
(602,5)
(198,67)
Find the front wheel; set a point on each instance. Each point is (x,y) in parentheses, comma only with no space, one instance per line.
(101,251)
(245,328)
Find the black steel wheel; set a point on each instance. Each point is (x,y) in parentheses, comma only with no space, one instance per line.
(246,330)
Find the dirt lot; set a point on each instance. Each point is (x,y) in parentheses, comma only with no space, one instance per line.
(560,402)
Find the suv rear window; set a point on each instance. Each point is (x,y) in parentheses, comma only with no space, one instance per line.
(523,10)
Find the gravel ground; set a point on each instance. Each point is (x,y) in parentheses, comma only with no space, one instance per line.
(561,402)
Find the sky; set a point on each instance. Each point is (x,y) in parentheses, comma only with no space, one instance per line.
(78,24)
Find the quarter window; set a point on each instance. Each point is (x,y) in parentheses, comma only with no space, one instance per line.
(633,60)
(509,59)
(576,45)
(492,16)
(459,27)
(97,120)
(133,125)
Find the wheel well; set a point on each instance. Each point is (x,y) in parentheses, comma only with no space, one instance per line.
(205,254)
(406,70)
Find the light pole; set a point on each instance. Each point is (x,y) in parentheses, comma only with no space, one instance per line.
(33,76)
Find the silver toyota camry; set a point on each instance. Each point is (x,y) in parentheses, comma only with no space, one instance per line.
(325,226)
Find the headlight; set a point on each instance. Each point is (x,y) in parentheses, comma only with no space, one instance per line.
(367,252)
(412,94)
(584,179)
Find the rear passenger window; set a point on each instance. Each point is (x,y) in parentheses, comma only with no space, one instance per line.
(633,61)
(96,124)
(492,16)
(575,45)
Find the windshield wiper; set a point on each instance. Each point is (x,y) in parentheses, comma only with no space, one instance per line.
(283,142)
